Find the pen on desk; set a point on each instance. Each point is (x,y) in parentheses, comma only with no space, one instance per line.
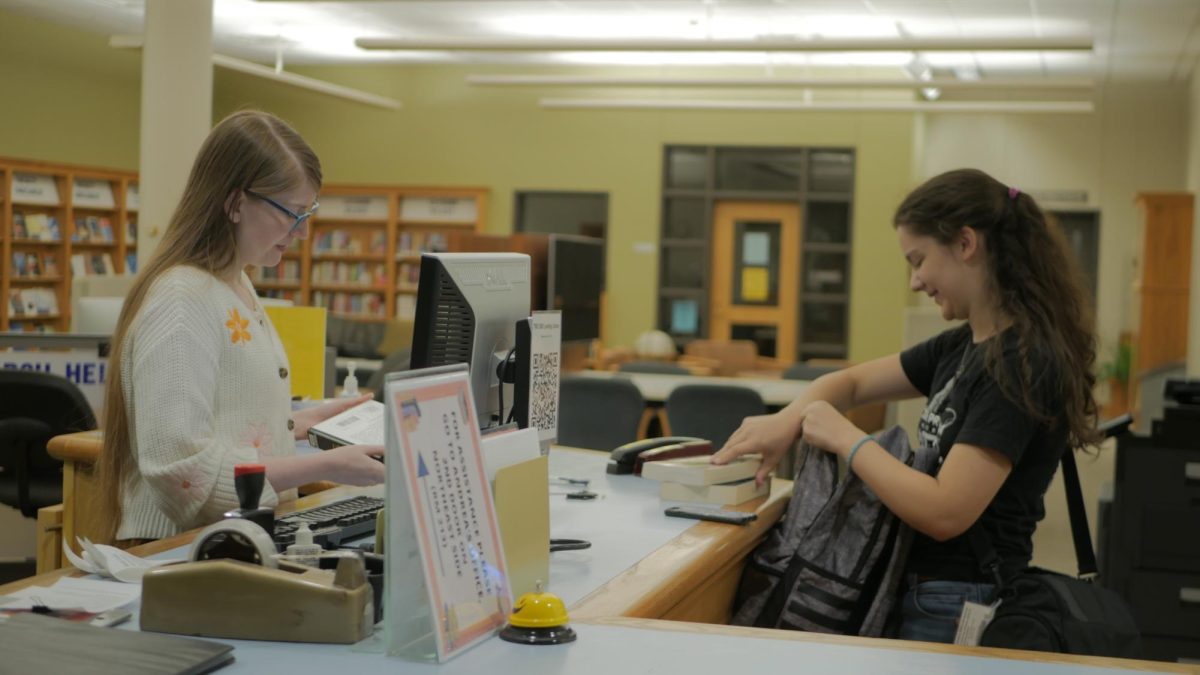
(571,481)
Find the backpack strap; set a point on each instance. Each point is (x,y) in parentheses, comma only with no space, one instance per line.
(1085,555)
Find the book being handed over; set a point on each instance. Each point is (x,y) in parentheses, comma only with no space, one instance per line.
(700,470)
(360,425)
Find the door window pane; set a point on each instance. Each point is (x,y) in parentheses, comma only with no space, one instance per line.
(684,267)
(759,170)
(828,223)
(687,168)
(683,316)
(685,219)
(824,272)
(764,337)
(756,263)
(581,213)
(830,171)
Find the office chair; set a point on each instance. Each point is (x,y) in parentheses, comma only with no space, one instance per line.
(803,370)
(710,411)
(599,414)
(656,367)
(38,406)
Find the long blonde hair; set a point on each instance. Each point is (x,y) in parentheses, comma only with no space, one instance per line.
(248,150)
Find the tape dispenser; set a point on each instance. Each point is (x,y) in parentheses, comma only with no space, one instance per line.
(233,587)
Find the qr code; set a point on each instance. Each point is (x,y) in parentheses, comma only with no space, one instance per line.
(543,392)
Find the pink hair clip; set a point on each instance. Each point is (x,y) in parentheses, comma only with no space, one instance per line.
(1013,192)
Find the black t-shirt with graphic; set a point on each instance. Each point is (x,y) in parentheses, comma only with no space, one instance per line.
(969,407)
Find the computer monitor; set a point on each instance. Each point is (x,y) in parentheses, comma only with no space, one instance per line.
(468,305)
(96,315)
(574,282)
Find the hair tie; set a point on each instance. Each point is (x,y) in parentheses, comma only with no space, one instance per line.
(1013,192)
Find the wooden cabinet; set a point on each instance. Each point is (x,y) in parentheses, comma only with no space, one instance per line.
(1161,283)
(58,222)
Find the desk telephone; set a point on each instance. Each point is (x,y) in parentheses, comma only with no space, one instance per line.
(629,458)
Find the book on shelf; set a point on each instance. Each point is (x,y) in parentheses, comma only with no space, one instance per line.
(41,227)
(720,493)
(131,263)
(131,232)
(40,300)
(19,230)
(700,470)
(18,263)
(92,264)
(50,264)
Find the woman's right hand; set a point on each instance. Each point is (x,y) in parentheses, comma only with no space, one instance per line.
(356,465)
(769,435)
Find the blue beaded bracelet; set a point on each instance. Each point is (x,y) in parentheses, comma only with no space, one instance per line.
(859,444)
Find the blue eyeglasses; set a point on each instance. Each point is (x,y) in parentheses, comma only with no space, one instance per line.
(300,217)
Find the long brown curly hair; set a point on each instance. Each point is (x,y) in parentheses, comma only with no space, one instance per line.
(1036,280)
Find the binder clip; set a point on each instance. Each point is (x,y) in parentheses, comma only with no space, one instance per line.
(538,619)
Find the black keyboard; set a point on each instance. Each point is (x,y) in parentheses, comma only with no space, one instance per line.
(332,523)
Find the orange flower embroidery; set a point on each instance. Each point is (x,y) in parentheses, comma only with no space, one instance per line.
(237,327)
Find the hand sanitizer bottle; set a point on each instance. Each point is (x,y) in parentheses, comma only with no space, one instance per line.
(350,385)
(304,551)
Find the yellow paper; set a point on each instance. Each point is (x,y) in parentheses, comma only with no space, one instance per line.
(302,331)
(754,284)
(522,497)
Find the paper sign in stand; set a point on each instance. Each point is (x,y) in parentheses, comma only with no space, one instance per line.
(447,584)
(539,345)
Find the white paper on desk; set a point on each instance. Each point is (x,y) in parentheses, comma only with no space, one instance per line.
(109,561)
(90,595)
(514,447)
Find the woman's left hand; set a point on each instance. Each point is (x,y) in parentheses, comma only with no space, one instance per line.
(826,428)
(318,413)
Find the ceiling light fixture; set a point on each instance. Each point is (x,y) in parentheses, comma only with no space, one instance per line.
(753,45)
(277,74)
(1061,107)
(521,80)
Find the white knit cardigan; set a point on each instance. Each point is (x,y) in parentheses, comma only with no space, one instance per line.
(206,386)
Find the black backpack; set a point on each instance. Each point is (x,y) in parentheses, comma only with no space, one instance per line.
(833,564)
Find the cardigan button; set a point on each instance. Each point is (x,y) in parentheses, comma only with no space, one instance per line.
(291,425)
(283,373)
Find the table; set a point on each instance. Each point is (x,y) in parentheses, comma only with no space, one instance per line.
(678,570)
(656,387)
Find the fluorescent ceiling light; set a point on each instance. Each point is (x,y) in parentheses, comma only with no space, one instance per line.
(1061,107)
(277,75)
(643,23)
(753,45)
(518,80)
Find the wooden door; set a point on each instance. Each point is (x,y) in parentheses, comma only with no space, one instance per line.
(755,281)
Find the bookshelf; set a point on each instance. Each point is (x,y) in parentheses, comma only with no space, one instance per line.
(360,260)
(58,222)
(362,256)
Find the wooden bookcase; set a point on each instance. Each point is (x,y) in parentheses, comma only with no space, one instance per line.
(58,221)
(360,259)
(363,252)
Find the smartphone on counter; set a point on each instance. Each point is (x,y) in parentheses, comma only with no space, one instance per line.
(709,513)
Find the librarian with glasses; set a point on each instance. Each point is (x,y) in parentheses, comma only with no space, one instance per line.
(198,380)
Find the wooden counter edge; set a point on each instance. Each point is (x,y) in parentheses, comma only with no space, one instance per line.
(656,583)
(888,643)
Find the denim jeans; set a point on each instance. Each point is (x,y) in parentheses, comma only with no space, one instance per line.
(930,610)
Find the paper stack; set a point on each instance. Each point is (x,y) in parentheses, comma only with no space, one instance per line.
(696,479)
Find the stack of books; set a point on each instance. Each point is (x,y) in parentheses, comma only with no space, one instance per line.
(695,479)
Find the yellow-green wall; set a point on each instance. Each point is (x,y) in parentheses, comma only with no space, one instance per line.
(450,133)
